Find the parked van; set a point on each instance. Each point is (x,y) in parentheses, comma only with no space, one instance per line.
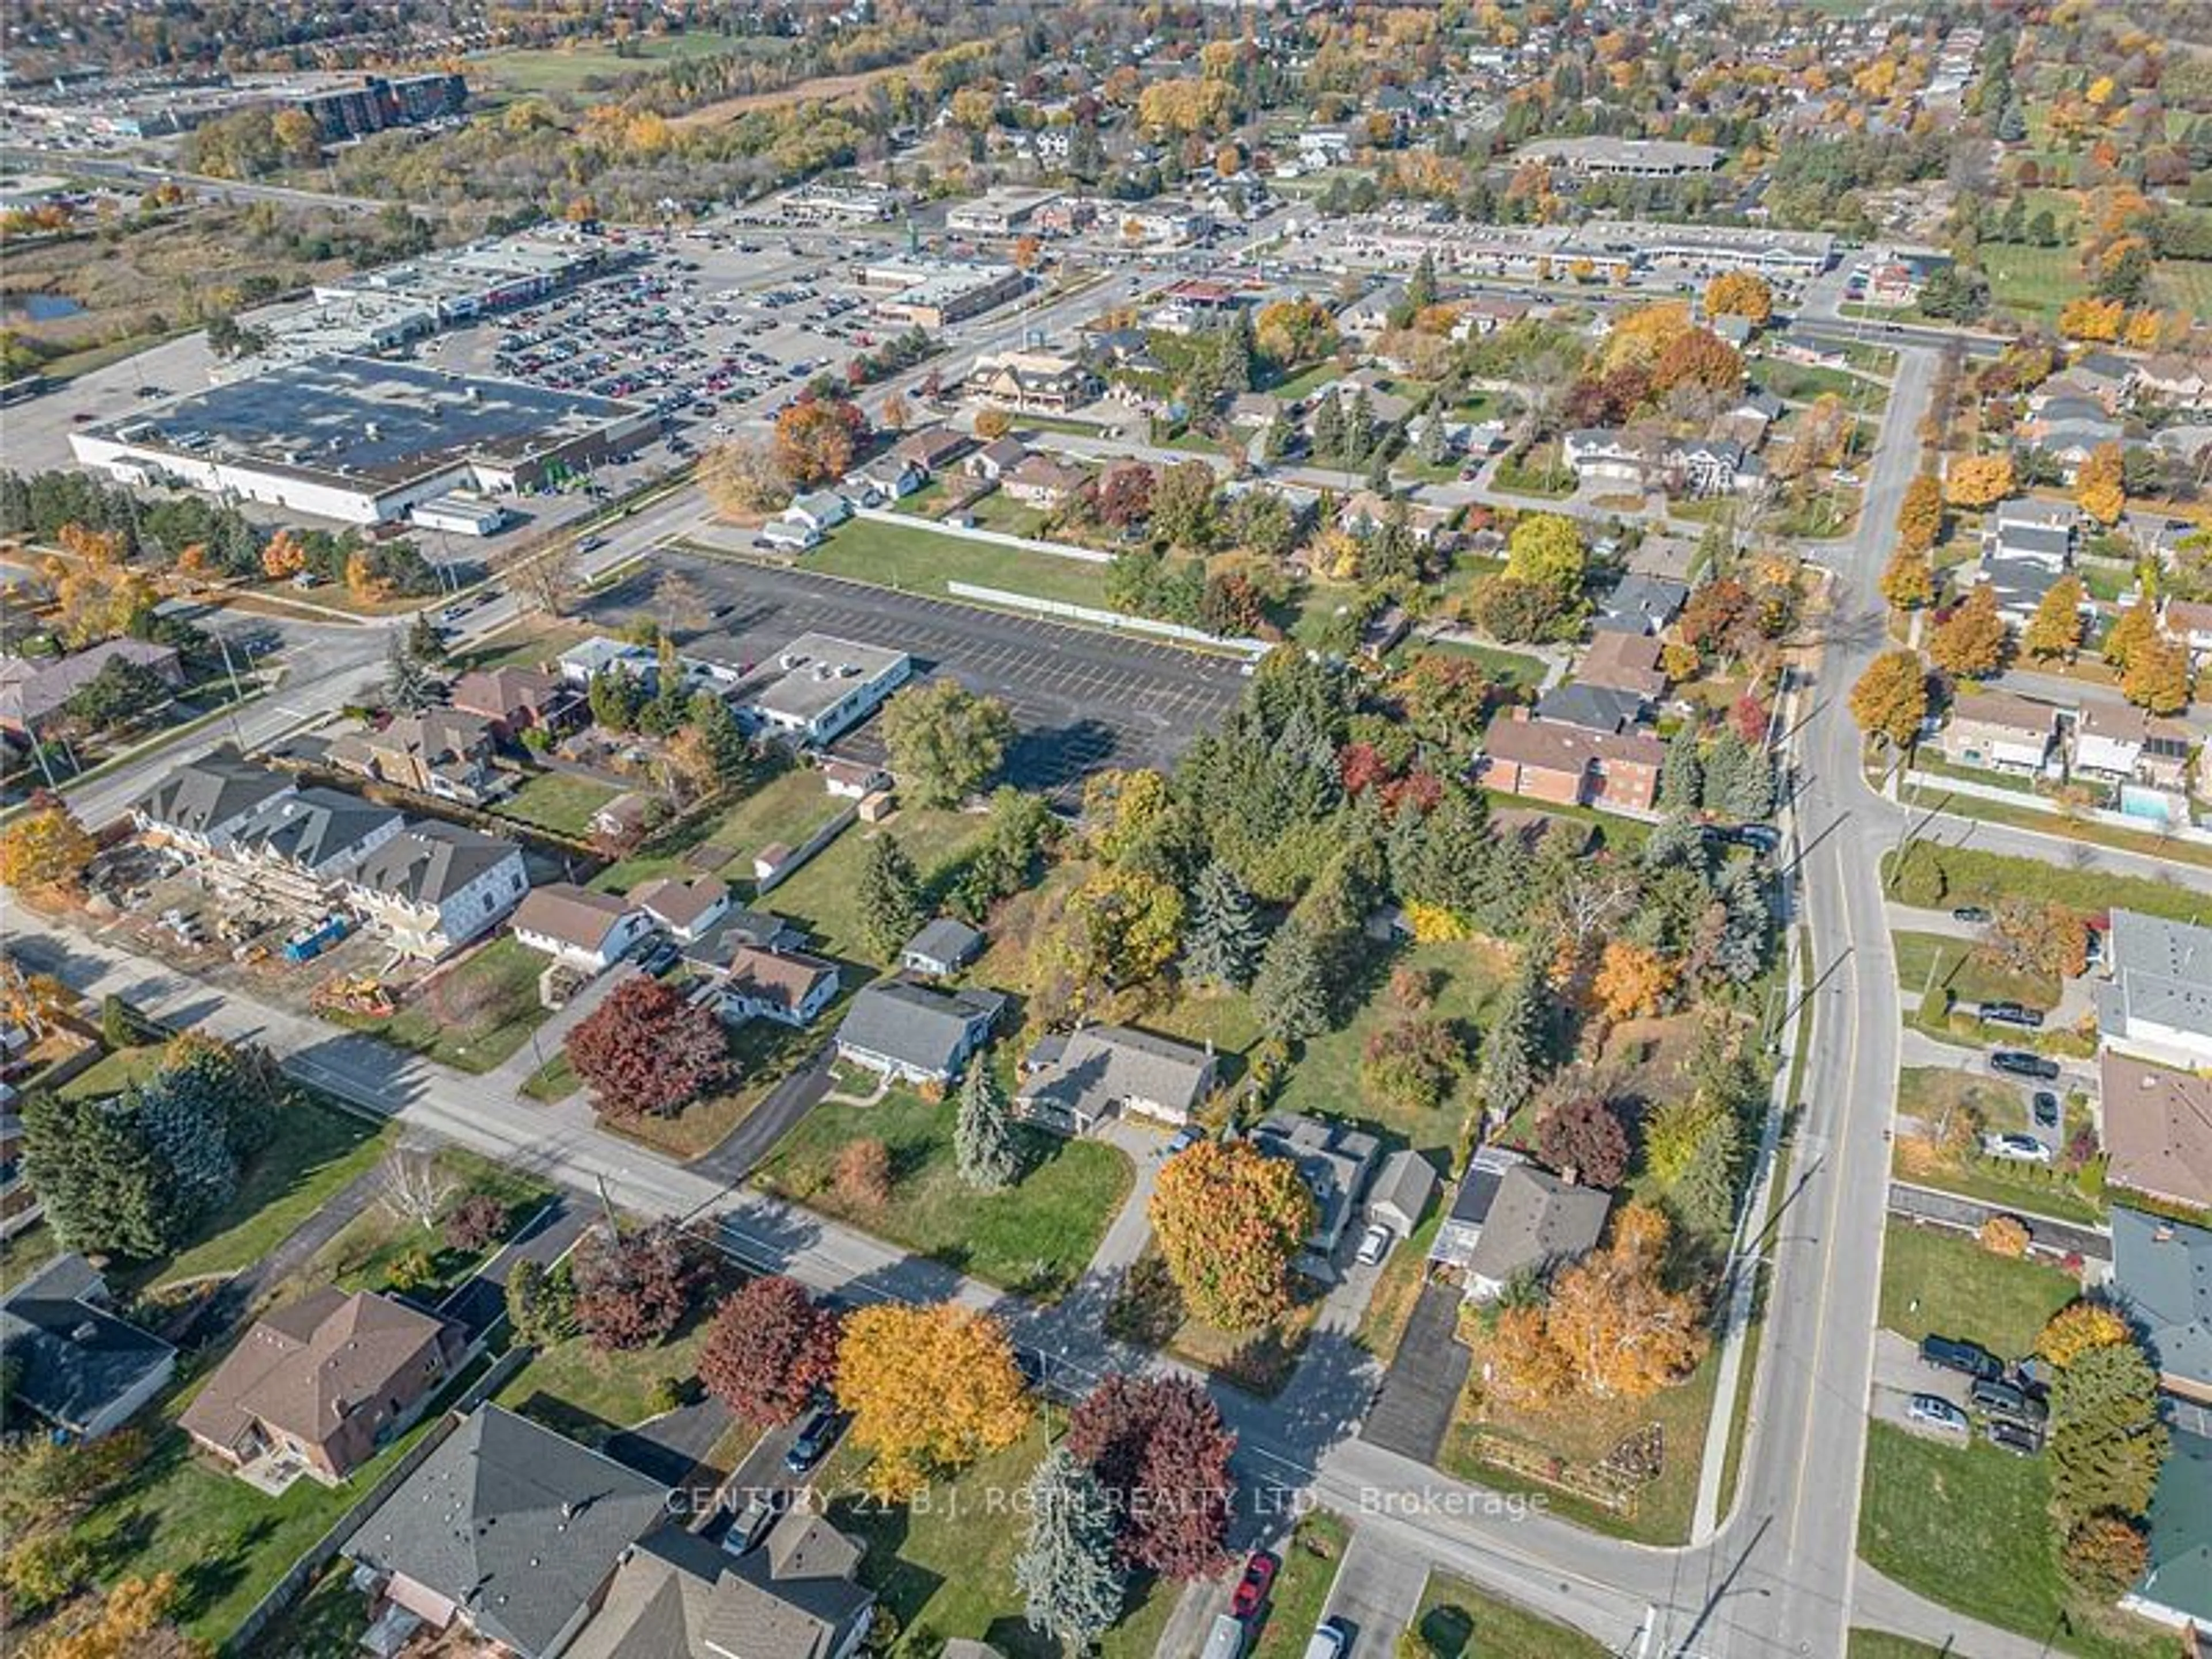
(1226,1639)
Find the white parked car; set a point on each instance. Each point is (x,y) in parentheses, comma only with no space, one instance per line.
(1374,1244)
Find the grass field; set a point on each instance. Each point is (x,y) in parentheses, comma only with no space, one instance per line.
(475,1013)
(786,807)
(1035,1237)
(1936,962)
(564,71)
(2184,285)
(1459,1621)
(368,1249)
(1511,667)
(559,801)
(1973,876)
(921,560)
(2031,281)
(114,1071)
(946,1562)
(573,1386)
(1944,1284)
(1881,1644)
(1970,1526)
(1309,1561)
(823,897)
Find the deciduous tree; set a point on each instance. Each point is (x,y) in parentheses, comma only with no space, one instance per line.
(1523,1365)
(2100,486)
(1977,480)
(632,1289)
(1160,1447)
(930,1390)
(1632,980)
(541,1303)
(771,1347)
(816,438)
(1624,1332)
(1908,580)
(1229,1220)
(1970,643)
(1890,699)
(2078,1327)
(742,480)
(1920,515)
(1583,1133)
(647,1049)
(1547,549)
(863,1178)
(2106,1555)
(44,846)
(2054,630)
(945,741)
(1740,294)
(2157,676)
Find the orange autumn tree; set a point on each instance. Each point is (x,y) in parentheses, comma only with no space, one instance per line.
(2098,488)
(282,556)
(44,847)
(2078,1327)
(1632,980)
(816,438)
(1525,1369)
(1624,1333)
(1977,480)
(1229,1220)
(930,1390)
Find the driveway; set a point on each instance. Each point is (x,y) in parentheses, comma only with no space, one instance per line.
(1378,1592)
(731,1161)
(1899,1374)
(1415,1406)
(672,1448)
(544,1239)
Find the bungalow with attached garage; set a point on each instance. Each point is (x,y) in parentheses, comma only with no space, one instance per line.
(77,1367)
(2162,1274)
(818,510)
(675,1595)
(887,478)
(1605,455)
(434,887)
(1335,1162)
(789,988)
(584,662)
(1072,1082)
(2158,1004)
(1998,732)
(912,1034)
(1040,481)
(788,535)
(995,459)
(1536,1222)
(685,909)
(201,805)
(1642,605)
(933,448)
(2157,1119)
(587,930)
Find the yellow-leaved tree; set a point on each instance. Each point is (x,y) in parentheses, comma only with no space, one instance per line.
(930,1390)
(2078,1327)
(1625,1334)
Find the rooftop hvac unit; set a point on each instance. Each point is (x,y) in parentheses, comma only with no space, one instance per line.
(790,660)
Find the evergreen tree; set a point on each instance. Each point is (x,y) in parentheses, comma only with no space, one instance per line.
(1506,1076)
(1435,447)
(1328,428)
(1291,990)
(616,698)
(1275,446)
(184,1124)
(103,1186)
(1071,1588)
(982,1135)
(1682,774)
(407,683)
(1421,287)
(1358,439)
(890,896)
(724,743)
(1705,1194)
(424,643)
(1222,943)
(1748,929)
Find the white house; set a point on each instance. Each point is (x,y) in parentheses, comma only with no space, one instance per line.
(2157,1005)
(2109,738)
(818,510)
(572,924)
(914,1033)
(789,535)
(687,910)
(434,887)
(787,987)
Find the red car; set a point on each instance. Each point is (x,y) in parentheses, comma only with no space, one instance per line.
(1252,1589)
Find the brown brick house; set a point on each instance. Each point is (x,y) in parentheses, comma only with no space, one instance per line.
(326,1381)
(1551,761)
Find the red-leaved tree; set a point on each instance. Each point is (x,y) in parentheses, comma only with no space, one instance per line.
(1159,1446)
(632,1290)
(770,1348)
(1584,1134)
(646,1049)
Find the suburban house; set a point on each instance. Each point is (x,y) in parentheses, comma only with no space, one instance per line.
(587,930)
(818,510)
(2157,1002)
(2041,532)
(1366,513)
(789,988)
(887,478)
(1607,455)
(1620,661)
(676,1596)
(1072,1082)
(299,843)
(1715,466)
(1461,1227)
(2189,620)
(77,1368)
(434,886)
(515,700)
(1402,1191)
(1547,760)
(202,803)
(1031,380)
(442,752)
(1592,708)
(511,1531)
(913,1033)
(685,907)
(2125,745)
(1536,1221)
(2176,1587)
(1999,731)
(586,660)
(2158,1130)
(933,448)
(1334,1160)
(995,459)
(715,945)
(2170,378)
(1040,481)
(853,779)
(320,1385)
(1641,604)
(789,535)
(818,686)
(32,689)
(941,949)
(2163,1274)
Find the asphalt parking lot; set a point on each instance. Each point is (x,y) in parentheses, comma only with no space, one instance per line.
(1083,699)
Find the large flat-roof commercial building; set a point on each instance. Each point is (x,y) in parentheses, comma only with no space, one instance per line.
(1622,158)
(1704,250)
(1004,212)
(817,687)
(362,440)
(931,293)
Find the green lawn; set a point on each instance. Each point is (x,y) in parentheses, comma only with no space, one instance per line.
(1970,876)
(2058,827)
(1539,473)
(555,1080)
(2184,285)
(1933,1093)
(1035,1237)
(787,807)
(1944,1284)
(2034,281)
(1881,1644)
(475,1013)
(1513,667)
(114,1071)
(1309,1561)
(320,1148)
(1462,1622)
(330,1619)
(1936,962)
(946,1562)
(1001,512)
(922,561)
(1294,388)
(824,897)
(362,1255)
(1970,1526)
(559,801)
(762,1052)
(582,1392)
(564,71)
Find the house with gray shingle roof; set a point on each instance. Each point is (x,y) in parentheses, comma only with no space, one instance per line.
(1072,1082)
(2162,1273)
(941,949)
(914,1033)
(78,1368)
(2158,1002)
(1536,1222)
(204,804)
(434,886)
(678,1596)
(509,1530)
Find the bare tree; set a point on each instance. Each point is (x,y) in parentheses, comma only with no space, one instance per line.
(547,580)
(414,1187)
(682,604)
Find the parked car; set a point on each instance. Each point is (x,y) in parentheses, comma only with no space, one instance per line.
(1374,1244)
(2016,1148)
(1331,1640)
(1970,912)
(1947,1353)
(1251,1592)
(2013,1062)
(1183,1139)
(1226,1639)
(2044,1109)
(751,1523)
(2010,1013)
(1994,1397)
(1936,1413)
(2020,1443)
(815,1431)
